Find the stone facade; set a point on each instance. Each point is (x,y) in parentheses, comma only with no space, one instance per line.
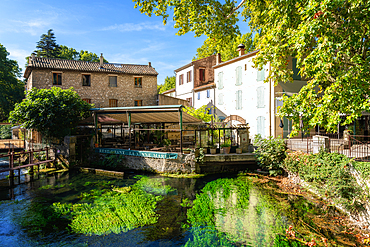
(99,92)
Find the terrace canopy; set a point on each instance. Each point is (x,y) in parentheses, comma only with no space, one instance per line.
(147,115)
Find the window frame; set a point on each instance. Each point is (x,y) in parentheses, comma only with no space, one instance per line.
(202,75)
(181,79)
(188,76)
(138,102)
(111,103)
(136,79)
(59,76)
(111,76)
(89,84)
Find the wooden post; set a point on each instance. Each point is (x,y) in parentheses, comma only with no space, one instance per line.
(31,161)
(180,130)
(129,129)
(11,165)
(47,153)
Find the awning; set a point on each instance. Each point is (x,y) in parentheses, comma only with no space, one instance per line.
(102,119)
(292,87)
(147,114)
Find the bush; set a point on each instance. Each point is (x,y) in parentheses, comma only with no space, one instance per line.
(329,174)
(271,153)
(5,132)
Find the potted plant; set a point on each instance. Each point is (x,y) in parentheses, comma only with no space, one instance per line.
(239,150)
(226,146)
(187,150)
(213,149)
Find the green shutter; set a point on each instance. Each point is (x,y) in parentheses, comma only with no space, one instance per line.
(238,74)
(261,74)
(261,97)
(239,100)
(296,75)
(220,80)
(261,126)
(220,99)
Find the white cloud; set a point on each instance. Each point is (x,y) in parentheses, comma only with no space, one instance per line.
(128,27)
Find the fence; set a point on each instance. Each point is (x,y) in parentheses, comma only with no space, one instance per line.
(355,146)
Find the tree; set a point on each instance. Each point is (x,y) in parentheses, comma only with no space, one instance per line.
(169,83)
(12,89)
(68,53)
(52,112)
(329,39)
(201,113)
(47,46)
(229,50)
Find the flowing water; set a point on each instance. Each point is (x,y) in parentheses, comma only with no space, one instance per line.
(79,209)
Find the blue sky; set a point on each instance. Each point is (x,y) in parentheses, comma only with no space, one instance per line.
(113,28)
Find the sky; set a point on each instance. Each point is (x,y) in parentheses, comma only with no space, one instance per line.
(112,27)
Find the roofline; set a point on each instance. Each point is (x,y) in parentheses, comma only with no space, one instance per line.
(191,63)
(169,90)
(249,54)
(211,85)
(156,108)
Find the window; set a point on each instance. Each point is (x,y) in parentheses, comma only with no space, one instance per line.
(238,75)
(190,101)
(198,95)
(138,81)
(87,100)
(202,74)
(113,103)
(86,80)
(208,93)
(188,76)
(57,78)
(221,99)
(239,100)
(245,66)
(220,80)
(261,97)
(261,74)
(113,81)
(261,126)
(181,79)
(138,102)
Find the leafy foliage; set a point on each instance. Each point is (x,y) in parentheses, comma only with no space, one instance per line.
(12,89)
(329,39)
(52,112)
(271,153)
(329,174)
(227,51)
(200,113)
(5,132)
(169,83)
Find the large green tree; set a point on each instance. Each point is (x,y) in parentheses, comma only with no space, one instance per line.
(11,88)
(329,39)
(169,83)
(52,112)
(47,46)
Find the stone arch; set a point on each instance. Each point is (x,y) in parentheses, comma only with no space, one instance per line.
(235,117)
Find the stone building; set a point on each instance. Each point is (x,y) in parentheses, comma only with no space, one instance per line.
(102,84)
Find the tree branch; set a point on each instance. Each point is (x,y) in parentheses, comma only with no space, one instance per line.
(235,9)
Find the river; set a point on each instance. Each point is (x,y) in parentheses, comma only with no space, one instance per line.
(82,209)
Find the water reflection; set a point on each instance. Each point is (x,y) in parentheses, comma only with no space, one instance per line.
(85,209)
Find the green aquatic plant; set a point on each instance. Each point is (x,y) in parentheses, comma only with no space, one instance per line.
(155,186)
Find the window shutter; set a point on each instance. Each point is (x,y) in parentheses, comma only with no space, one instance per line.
(198,95)
(220,99)
(220,80)
(261,126)
(261,97)
(238,73)
(239,100)
(261,74)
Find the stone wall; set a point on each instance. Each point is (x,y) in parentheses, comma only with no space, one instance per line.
(183,164)
(100,92)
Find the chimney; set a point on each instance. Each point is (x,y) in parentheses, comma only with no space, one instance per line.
(218,58)
(101,60)
(241,49)
(150,64)
(31,58)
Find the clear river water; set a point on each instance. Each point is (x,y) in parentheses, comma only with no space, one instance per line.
(83,209)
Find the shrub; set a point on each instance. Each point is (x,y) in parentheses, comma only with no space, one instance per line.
(5,132)
(271,153)
(329,174)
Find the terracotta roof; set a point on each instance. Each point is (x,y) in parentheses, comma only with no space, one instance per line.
(62,64)
(200,88)
(249,54)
